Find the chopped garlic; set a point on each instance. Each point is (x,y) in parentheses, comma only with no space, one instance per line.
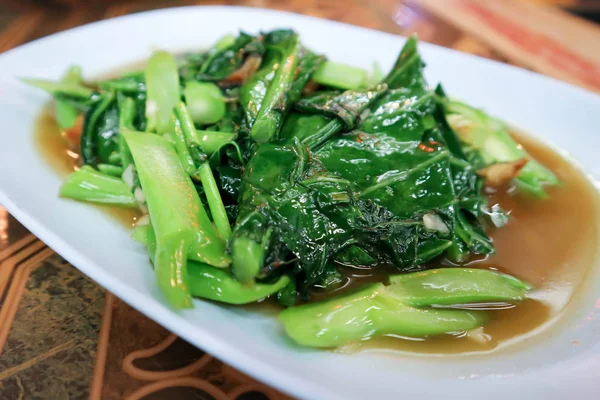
(143,220)
(502,173)
(433,222)
(128,176)
(139,195)
(478,335)
(151,108)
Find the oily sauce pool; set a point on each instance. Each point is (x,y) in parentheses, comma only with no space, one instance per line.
(65,159)
(550,243)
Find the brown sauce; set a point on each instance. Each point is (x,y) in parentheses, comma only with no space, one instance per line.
(64,159)
(53,145)
(550,243)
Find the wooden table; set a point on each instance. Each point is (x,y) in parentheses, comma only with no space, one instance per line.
(64,337)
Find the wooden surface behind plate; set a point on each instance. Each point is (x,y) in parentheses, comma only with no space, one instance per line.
(63,337)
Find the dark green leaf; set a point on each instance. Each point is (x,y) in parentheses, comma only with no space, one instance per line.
(221,63)
(100,129)
(269,94)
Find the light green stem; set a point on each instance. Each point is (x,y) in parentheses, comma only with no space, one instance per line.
(218,285)
(87,184)
(341,76)
(452,286)
(204,173)
(163,93)
(371,311)
(180,223)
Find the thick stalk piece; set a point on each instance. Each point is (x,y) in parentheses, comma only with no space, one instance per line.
(180,222)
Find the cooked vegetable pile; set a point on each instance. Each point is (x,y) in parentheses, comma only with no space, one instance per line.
(262,169)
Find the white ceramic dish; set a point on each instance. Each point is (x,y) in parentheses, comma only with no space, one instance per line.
(549,366)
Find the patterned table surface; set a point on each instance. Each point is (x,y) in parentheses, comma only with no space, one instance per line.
(64,337)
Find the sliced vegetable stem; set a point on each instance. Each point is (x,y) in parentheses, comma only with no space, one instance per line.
(66,114)
(217,284)
(320,137)
(180,223)
(72,89)
(163,93)
(492,140)
(205,175)
(109,169)
(187,123)
(205,102)
(215,203)
(182,150)
(126,116)
(87,184)
(211,141)
(368,312)
(458,286)
(341,76)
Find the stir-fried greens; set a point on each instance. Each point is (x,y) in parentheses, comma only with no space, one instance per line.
(262,169)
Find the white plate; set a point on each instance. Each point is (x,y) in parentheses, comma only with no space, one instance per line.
(550,366)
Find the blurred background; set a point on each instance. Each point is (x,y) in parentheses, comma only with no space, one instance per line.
(554,37)
(83,343)
(589,9)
